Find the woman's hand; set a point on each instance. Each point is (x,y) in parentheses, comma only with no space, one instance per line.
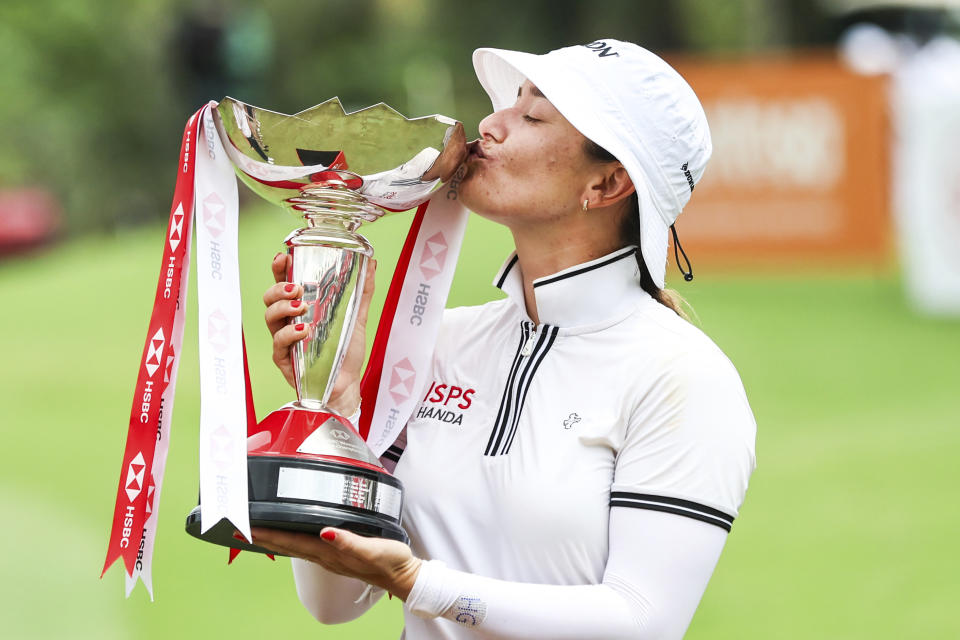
(387,564)
(283,303)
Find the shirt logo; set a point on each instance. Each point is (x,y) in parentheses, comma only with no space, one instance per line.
(445,403)
(571,420)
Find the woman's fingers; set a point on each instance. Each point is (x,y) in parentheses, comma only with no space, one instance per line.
(345,396)
(279,266)
(283,303)
(282,291)
(369,284)
(358,341)
(388,564)
(299,545)
(284,338)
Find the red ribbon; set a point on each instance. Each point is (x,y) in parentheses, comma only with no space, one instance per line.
(130,510)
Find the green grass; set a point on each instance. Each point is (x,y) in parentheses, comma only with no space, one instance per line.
(847,531)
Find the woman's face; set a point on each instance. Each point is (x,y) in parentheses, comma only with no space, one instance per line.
(529,165)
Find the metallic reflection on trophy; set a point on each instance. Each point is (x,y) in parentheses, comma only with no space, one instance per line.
(308,467)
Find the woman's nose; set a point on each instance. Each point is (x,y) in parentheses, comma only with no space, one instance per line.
(492,127)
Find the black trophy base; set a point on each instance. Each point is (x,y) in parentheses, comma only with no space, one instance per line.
(270,505)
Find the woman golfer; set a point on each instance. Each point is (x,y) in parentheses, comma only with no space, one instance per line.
(604,443)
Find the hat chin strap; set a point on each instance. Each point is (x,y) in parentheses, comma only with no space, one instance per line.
(688,274)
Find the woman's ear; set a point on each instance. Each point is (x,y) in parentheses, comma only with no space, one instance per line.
(609,188)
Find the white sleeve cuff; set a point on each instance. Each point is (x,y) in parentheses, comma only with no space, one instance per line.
(432,594)
(438,591)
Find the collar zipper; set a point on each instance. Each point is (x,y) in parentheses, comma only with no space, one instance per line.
(528,346)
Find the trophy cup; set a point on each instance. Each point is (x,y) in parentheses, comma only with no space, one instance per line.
(308,467)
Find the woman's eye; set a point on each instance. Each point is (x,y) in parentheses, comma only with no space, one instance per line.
(530,118)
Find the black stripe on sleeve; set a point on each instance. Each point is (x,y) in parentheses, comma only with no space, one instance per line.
(677,506)
(393,453)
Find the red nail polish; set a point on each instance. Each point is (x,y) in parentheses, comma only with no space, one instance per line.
(329,536)
(295,304)
(289,287)
(298,326)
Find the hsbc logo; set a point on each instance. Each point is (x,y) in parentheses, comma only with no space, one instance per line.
(434,255)
(221,447)
(402,378)
(155,352)
(218,331)
(135,472)
(151,489)
(176,229)
(214,215)
(168,371)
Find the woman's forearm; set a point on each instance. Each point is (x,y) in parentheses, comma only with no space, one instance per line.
(331,598)
(658,569)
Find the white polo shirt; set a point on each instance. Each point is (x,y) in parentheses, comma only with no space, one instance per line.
(528,435)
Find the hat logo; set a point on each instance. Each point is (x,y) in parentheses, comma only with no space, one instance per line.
(686,173)
(601,48)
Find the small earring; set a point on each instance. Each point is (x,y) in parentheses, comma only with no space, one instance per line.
(585,203)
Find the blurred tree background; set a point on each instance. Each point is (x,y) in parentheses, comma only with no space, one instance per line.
(96,91)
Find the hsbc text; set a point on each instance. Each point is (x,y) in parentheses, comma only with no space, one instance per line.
(215,269)
(168,282)
(420,304)
(145,401)
(127,524)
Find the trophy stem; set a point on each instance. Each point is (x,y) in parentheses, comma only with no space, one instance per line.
(330,263)
(332,199)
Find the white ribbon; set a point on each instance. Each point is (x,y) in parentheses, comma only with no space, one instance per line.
(419,312)
(223,420)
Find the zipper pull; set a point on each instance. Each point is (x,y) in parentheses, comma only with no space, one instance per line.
(528,347)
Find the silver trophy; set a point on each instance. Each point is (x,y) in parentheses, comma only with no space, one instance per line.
(308,466)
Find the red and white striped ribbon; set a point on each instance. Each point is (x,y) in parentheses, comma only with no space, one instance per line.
(402,351)
(400,360)
(148,434)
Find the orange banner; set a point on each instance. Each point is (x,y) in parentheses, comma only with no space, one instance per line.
(800,169)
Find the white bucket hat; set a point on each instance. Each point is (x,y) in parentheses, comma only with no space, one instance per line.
(630,102)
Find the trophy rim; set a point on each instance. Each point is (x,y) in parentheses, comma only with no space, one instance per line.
(261,168)
(436,116)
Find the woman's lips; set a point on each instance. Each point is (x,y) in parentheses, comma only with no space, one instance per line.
(476,151)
